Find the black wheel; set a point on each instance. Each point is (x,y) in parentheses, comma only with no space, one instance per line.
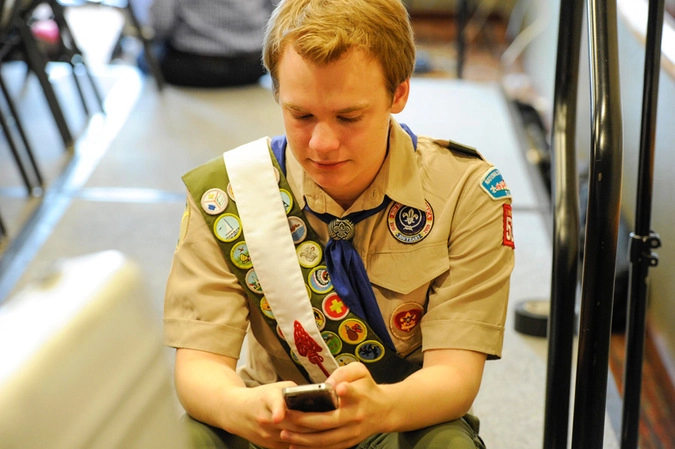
(532,317)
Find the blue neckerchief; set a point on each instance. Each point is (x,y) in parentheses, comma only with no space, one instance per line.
(348,275)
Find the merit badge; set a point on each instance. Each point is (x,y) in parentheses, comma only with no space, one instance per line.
(230,191)
(214,201)
(370,351)
(287,199)
(298,229)
(345,359)
(265,308)
(252,282)
(319,318)
(309,254)
(494,185)
(334,308)
(279,333)
(227,227)
(406,319)
(353,331)
(332,341)
(319,281)
(240,257)
(277,175)
(508,226)
(409,225)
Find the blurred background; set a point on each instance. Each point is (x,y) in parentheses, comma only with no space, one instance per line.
(95,139)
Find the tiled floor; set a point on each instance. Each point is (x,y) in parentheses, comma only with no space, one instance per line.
(121,189)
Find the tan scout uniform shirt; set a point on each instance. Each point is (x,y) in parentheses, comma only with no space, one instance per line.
(458,275)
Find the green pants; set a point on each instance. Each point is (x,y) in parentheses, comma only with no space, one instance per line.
(459,434)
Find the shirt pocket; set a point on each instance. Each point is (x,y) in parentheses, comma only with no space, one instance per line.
(407,269)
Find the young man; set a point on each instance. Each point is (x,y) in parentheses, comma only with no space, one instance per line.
(383,271)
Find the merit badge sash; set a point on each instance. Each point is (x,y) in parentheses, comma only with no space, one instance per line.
(278,259)
(263,214)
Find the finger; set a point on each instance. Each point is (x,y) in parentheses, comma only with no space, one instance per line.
(348,373)
(277,404)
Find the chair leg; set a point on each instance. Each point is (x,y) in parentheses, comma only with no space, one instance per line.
(25,176)
(39,65)
(24,138)
(3,235)
(147,47)
(75,58)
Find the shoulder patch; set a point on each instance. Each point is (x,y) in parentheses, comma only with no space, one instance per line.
(458,147)
(494,185)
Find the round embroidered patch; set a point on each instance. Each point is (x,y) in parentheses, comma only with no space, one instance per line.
(230,191)
(319,318)
(352,331)
(345,359)
(265,308)
(409,225)
(252,282)
(240,256)
(227,227)
(309,253)
(214,201)
(370,351)
(319,280)
(332,341)
(334,308)
(287,199)
(405,320)
(298,229)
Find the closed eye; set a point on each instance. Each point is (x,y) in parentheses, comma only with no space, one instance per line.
(302,117)
(349,119)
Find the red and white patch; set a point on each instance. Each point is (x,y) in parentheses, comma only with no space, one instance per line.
(508,226)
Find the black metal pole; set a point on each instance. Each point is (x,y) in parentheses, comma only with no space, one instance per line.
(643,240)
(565,227)
(462,18)
(604,201)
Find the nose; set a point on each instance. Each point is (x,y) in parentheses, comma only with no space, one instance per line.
(324,139)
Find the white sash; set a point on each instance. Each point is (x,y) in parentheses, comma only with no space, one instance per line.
(270,245)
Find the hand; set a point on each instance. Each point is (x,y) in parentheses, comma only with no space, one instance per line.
(262,416)
(362,404)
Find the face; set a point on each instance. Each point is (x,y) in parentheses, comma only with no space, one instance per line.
(336,118)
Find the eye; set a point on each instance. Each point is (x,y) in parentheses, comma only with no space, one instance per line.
(302,116)
(349,119)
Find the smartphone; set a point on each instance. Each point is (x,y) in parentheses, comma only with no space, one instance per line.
(311,398)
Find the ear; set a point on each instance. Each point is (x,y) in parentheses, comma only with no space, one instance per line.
(400,97)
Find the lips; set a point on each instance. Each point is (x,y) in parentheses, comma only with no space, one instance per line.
(325,165)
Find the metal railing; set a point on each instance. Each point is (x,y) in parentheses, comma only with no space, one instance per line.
(601,233)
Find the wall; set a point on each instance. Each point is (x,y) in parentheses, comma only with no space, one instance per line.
(539,62)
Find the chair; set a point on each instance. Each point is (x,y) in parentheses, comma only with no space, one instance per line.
(143,33)
(18,38)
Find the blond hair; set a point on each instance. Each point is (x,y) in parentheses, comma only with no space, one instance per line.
(321,31)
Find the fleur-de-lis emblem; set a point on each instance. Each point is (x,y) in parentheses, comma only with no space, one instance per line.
(410,218)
